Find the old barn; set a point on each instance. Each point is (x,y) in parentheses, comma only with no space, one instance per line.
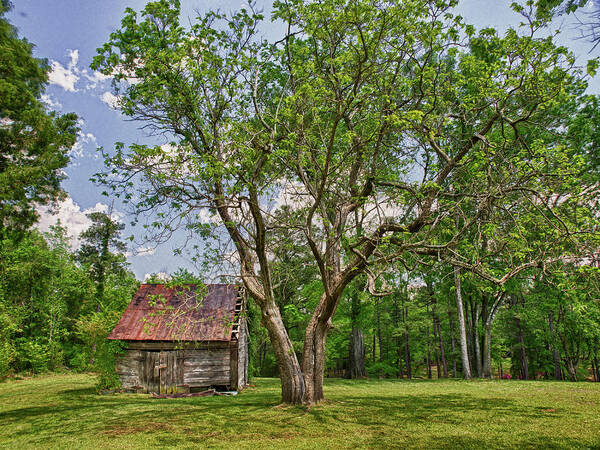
(183,339)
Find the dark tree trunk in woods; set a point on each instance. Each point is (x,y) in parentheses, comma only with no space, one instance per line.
(522,352)
(469,330)
(487,351)
(356,366)
(398,312)
(452,344)
(461,326)
(490,315)
(437,332)
(379,340)
(572,369)
(428,360)
(399,363)
(436,353)
(476,342)
(374,345)
(428,354)
(407,345)
(442,350)
(555,355)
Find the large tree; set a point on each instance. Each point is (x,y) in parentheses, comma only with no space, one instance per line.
(394,119)
(34,143)
(102,251)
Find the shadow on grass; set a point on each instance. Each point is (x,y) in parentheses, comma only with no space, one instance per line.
(379,414)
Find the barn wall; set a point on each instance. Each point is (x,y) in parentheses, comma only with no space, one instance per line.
(129,366)
(205,367)
(202,367)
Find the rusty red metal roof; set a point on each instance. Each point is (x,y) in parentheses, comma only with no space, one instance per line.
(160,313)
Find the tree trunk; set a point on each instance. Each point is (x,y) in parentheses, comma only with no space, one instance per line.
(313,358)
(438,365)
(356,367)
(461,326)
(407,345)
(555,355)
(293,387)
(428,361)
(523,353)
(435,338)
(379,334)
(476,344)
(374,345)
(490,315)
(356,363)
(452,344)
(437,332)
(487,351)
(572,369)
(442,350)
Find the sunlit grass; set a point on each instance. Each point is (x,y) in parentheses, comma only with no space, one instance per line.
(63,411)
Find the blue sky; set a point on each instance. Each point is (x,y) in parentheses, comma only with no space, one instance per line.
(67,33)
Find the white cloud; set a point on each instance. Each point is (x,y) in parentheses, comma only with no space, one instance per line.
(162,276)
(113,101)
(82,139)
(206,216)
(71,217)
(66,77)
(74,55)
(50,102)
(62,77)
(147,251)
(95,79)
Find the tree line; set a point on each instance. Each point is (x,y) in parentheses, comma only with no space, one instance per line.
(58,305)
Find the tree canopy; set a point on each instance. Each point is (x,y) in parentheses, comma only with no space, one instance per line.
(396,134)
(34,143)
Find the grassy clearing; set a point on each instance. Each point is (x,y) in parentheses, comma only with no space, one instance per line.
(63,411)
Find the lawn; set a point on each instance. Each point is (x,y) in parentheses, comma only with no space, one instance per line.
(63,411)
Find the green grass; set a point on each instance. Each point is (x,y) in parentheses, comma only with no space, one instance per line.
(63,411)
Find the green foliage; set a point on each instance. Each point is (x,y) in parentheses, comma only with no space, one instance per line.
(33,356)
(49,314)
(106,353)
(34,142)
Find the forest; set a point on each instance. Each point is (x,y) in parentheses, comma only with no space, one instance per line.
(401,194)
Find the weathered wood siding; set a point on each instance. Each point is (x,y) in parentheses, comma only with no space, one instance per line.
(129,367)
(206,367)
(162,368)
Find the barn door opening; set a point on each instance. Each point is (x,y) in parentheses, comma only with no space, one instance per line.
(163,371)
(170,371)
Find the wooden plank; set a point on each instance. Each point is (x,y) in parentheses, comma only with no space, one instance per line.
(233,364)
(174,345)
(149,369)
(162,372)
(180,366)
(207,354)
(171,371)
(155,376)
